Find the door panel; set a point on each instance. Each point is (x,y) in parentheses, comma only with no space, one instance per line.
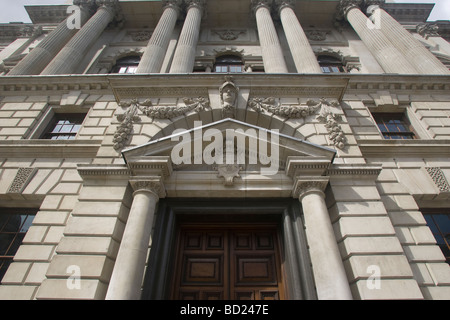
(228,262)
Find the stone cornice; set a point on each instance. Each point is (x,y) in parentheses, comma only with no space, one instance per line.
(357,171)
(165,85)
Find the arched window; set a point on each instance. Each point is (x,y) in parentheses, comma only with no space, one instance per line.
(330,64)
(229,63)
(126,64)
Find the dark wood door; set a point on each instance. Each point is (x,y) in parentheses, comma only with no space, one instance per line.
(239,262)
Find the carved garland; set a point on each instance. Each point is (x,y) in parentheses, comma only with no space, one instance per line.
(326,115)
(130,116)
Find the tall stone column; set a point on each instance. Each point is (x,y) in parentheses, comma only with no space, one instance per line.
(304,57)
(184,57)
(155,52)
(270,44)
(128,273)
(422,59)
(328,268)
(384,51)
(73,53)
(49,47)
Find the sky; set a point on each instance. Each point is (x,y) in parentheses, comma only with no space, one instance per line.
(13,10)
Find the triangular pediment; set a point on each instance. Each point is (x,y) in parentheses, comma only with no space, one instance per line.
(253,147)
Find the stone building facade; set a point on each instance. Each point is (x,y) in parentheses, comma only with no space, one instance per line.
(240,149)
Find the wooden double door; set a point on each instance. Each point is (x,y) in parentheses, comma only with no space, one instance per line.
(228,262)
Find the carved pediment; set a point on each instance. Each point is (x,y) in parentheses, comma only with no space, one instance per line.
(229,142)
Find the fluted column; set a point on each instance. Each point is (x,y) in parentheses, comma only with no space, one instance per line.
(422,59)
(155,52)
(184,57)
(128,273)
(304,58)
(270,44)
(69,58)
(328,268)
(384,51)
(49,47)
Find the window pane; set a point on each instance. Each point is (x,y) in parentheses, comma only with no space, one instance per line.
(14,223)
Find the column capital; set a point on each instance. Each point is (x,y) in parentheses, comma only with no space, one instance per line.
(154,185)
(281,4)
(307,185)
(256,4)
(195,3)
(345,6)
(175,4)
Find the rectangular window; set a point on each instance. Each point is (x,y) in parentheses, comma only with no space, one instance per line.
(14,224)
(64,126)
(438,220)
(394,126)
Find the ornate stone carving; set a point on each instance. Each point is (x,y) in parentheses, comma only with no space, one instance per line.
(229,35)
(305,185)
(229,172)
(344,6)
(427,30)
(21,180)
(331,121)
(127,119)
(228,98)
(316,35)
(270,105)
(141,35)
(130,116)
(438,178)
(150,184)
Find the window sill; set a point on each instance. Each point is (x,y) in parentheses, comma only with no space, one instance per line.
(399,148)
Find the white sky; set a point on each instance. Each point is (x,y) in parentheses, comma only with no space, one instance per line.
(13,10)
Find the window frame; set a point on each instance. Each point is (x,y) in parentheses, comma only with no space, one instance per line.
(52,112)
(76,119)
(7,257)
(127,64)
(327,62)
(221,62)
(401,119)
(436,230)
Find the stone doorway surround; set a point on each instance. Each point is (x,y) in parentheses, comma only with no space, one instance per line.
(304,174)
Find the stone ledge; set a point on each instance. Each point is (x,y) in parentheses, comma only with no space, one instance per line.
(49,148)
(396,148)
